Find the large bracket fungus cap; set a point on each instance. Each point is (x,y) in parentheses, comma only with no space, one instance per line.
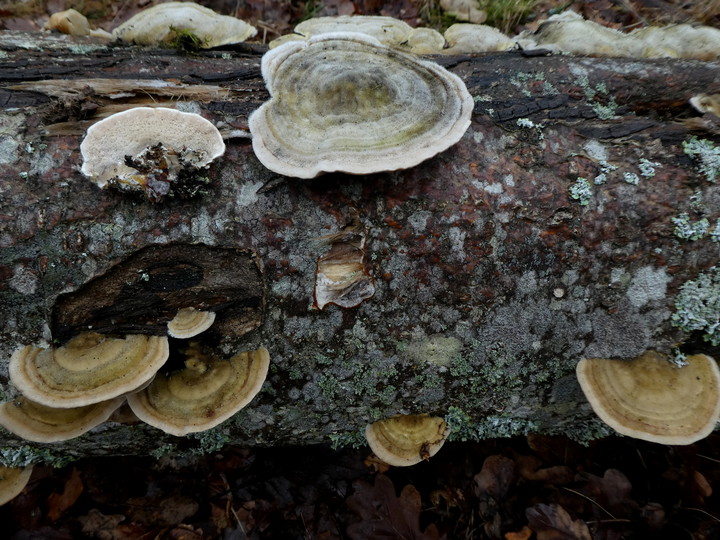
(406,439)
(88,369)
(207,392)
(344,102)
(108,143)
(160,23)
(38,423)
(649,398)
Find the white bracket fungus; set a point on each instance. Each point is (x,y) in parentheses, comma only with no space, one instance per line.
(159,24)
(650,398)
(88,369)
(344,102)
(149,149)
(204,394)
(406,439)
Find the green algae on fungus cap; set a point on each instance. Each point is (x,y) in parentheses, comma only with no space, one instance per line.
(343,102)
(407,439)
(39,423)
(204,394)
(161,24)
(650,398)
(88,369)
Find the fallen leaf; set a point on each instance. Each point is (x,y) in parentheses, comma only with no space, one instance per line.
(552,522)
(385,515)
(522,534)
(612,492)
(60,502)
(161,511)
(495,478)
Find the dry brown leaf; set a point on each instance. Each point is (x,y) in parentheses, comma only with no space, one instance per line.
(495,478)
(612,492)
(522,534)
(385,515)
(552,522)
(59,502)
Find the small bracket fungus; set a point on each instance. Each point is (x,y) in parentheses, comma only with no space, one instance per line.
(204,394)
(35,422)
(341,277)
(157,151)
(387,30)
(74,23)
(344,102)
(159,24)
(89,368)
(650,398)
(476,38)
(407,439)
(190,322)
(12,481)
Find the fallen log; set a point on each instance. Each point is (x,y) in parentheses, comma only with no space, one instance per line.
(561,226)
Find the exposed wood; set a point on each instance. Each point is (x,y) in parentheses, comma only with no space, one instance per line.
(491,281)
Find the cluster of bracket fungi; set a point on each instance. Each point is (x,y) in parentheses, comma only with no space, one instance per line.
(348,94)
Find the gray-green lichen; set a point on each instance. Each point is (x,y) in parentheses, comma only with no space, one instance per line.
(697,306)
(690,230)
(22,456)
(581,191)
(708,155)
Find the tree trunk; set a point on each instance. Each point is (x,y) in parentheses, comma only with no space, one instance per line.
(484,274)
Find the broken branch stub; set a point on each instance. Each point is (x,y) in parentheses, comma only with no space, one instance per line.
(344,102)
(141,294)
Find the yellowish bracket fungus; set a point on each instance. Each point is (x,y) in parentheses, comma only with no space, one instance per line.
(650,398)
(204,394)
(12,481)
(345,102)
(35,422)
(150,150)
(476,38)
(406,439)
(190,322)
(88,369)
(161,23)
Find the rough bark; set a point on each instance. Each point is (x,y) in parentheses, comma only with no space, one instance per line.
(490,280)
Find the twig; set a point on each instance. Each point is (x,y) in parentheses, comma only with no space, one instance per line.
(589,499)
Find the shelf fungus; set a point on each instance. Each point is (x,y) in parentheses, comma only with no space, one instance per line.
(164,23)
(344,102)
(159,152)
(190,322)
(341,277)
(38,423)
(650,398)
(88,369)
(406,439)
(204,394)
(476,38)
(12,481)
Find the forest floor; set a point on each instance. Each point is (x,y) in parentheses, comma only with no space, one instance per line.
(544,488)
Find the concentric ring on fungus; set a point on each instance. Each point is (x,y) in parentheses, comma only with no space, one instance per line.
(344,102)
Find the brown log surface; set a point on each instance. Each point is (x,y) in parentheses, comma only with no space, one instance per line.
(491,281)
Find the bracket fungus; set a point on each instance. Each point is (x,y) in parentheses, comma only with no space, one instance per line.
(190,322)
(161,23)
(406,439)
(88,369)
(153,150)
(344,102)
(38,423)
(204,394)
(650,398)
(12,481)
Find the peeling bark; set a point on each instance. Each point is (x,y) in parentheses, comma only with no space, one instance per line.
(495,268)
